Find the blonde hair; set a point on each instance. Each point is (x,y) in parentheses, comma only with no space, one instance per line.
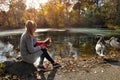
(29,26)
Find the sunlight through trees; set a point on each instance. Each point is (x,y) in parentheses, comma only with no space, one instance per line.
(60,13)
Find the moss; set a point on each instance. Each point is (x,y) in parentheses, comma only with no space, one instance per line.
(2,69)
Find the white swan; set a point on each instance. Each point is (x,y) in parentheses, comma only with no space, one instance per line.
(100,47)
(114,43)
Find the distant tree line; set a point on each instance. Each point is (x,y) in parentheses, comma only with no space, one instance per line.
(59,14)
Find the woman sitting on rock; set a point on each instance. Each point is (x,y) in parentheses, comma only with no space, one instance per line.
(31,53)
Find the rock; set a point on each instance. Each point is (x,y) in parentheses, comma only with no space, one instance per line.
(19,68)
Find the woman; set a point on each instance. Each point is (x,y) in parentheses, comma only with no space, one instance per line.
(31,53)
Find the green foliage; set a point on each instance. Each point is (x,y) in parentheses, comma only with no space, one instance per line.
(2,68)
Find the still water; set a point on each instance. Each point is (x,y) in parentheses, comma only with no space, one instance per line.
(74,43)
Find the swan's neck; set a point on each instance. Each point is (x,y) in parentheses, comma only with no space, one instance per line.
(100,40)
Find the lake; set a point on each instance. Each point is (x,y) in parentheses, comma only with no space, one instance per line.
(69,42)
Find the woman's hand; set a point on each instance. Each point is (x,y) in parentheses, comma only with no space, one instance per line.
(42,46)
(48,39)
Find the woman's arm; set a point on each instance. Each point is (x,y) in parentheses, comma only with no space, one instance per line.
(30,45)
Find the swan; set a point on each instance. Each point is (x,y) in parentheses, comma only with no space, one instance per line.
(114,43)
(100,47)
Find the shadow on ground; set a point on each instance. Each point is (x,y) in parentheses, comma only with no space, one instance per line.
(50,76)
(112,61)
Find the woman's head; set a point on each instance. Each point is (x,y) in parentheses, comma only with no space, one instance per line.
(30,26)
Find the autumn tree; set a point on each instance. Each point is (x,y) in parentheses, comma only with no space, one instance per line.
(54,13)
(16,10)
(3,13)
(110,10)
(13,16)
(60,14)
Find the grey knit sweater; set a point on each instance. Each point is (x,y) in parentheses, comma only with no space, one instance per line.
(29,53)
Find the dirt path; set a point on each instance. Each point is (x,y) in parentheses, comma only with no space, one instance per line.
(101,70)
(111,72)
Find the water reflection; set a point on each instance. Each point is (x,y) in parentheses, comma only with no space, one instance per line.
(2,58)
(65,43)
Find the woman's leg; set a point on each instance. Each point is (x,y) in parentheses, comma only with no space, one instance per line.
(47,56)
(42,59)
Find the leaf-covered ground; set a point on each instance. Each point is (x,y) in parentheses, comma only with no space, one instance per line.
(95,68)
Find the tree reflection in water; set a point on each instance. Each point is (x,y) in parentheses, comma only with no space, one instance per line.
(83,44)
